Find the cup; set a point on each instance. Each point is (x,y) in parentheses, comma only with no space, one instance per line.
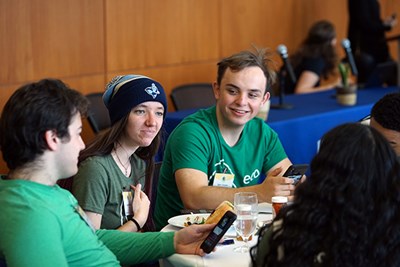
(277,203)
(264,110)
(346,96)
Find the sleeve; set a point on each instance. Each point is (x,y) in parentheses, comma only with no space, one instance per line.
(191,146)
(33,242)
(275,152)
(315,65)
(90,186)
(133,248)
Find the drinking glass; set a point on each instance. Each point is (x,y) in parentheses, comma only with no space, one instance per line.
(246,208)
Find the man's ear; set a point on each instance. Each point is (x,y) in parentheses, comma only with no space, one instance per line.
(266,97)
(216,90)
(51,139)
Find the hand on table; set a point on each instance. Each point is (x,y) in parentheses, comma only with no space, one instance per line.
(277,185)
(189,239)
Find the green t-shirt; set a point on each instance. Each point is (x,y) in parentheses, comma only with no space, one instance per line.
(98,186)
(197,143)
(40,227)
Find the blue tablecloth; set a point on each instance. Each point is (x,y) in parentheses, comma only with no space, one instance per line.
(312,115)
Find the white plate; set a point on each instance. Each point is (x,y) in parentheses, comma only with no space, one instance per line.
(179,221)
(264,207)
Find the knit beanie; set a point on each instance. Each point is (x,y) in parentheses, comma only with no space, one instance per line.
(127,91)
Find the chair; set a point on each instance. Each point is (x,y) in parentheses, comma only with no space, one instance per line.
(98,114)
(191,96)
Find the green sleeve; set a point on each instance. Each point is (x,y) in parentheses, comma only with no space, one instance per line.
(263,247)
(275,152)
(133,248)
(33,242)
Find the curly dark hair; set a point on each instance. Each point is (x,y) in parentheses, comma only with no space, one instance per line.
(318,44)
(386,111)
(32,110)
(260,57)
(347,212)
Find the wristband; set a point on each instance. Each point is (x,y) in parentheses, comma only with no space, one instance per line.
(136,223)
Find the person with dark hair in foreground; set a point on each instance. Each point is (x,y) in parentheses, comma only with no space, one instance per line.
(346,213)
(385,117)
(42,224)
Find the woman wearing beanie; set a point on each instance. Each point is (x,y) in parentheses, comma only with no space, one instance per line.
(119,162)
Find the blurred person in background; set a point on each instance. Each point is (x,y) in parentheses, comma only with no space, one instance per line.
(366,32)
(314,60)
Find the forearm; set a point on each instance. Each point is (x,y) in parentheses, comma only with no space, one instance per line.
(134,248)
(209,197)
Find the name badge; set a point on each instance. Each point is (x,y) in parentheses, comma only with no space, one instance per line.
(127,199)
(223,179)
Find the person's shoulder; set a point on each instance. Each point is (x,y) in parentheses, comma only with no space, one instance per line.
(95,161)
(202,119)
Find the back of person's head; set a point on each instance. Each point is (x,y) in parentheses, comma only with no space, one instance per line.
(386,111)
(244,59)
(33,109)
(346,213)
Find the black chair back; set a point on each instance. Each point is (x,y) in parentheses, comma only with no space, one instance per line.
(195,95)
(98,114)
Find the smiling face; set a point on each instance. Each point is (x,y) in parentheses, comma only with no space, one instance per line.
(144,122)
(240,96)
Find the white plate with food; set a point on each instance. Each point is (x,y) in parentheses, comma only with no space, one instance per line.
(188,219)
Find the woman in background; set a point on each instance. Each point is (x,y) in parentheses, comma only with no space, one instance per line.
(315,58)
(121,158)
(347,211)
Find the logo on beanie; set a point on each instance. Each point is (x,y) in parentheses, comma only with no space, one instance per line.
(153,90)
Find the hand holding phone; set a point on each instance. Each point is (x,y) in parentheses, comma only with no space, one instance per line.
(295,172)
(218,231)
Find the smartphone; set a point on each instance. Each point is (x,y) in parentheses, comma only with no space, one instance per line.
(296,172)
(218,231)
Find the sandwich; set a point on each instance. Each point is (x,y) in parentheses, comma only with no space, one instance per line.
(217,214)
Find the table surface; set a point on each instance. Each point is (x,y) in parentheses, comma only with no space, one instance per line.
(223,256)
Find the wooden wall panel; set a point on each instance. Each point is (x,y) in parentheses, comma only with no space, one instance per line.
(144,33)
(87,42)
(47,38)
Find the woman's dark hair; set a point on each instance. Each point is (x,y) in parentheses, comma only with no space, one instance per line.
(32,110)
(318,43)
(347,212)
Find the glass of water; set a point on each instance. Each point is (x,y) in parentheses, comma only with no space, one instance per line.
(246,208)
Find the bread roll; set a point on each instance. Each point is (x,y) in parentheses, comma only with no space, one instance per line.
(217,214)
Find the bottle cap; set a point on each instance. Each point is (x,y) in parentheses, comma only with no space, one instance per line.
(279,199)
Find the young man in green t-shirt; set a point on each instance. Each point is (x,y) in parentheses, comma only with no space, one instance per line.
(217,152)
(42,224)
